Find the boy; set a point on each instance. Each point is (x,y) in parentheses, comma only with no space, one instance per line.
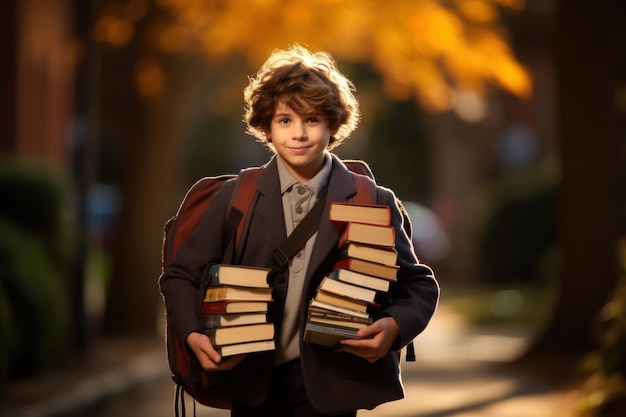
(301,107)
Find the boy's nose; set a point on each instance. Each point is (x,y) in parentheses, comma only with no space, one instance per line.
(298,132)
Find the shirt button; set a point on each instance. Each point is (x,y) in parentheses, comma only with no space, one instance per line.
(299,210)
(301,190)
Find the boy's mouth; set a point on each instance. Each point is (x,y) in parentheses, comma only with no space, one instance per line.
(299,149)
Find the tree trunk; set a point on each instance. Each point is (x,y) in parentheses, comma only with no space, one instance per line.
(592,146)
(153,141)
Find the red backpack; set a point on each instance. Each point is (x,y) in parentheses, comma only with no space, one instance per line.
(206,387)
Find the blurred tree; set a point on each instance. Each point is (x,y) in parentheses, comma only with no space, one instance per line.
(591,69)
(433,50)
(429,50)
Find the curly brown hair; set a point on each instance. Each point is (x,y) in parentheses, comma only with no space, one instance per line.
(303,80)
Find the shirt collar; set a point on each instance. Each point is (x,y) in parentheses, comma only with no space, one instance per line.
(316,184)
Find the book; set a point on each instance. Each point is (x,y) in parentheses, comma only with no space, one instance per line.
(342,213)
(247,276)
(369,234)
(341,301)
(332,307)
(381,255)
(336,322)
(388,272)
(225,307)
(347,290)
(360,279)
(221,336)
(247,347)
(230,292)
(319,313)
(233,319)
(327,335)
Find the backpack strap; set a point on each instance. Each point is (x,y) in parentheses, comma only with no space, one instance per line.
(244,195)
(363,179)
(240,207)
(365,189)
(297,239)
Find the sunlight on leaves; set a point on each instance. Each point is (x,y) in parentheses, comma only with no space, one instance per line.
(423,49)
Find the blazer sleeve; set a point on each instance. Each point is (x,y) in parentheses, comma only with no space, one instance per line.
(180,281)
(415,294)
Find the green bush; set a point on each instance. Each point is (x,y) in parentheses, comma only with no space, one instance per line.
(38,302)
(37,246)
(519,231)
(38,200)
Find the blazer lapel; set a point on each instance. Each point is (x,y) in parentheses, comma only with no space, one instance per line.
(269,206)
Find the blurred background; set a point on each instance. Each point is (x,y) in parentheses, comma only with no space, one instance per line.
(499,123)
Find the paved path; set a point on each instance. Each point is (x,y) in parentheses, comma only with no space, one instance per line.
(458,373)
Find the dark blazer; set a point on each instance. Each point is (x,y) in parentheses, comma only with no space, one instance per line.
(335,382)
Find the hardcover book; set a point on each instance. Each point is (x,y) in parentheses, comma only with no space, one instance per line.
(225,307)
(360,279)
(381,255)
(347,290)
(222,274)
(319,313)
(388,272)
(233,319)
(328,335)
(334,322)
(341,301)
(248,347)
(342,213)
(369,234)
(332,307)
(230,292)
(221,336)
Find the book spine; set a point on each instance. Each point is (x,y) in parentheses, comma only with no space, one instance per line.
(212,320)
(340,316)
(218,307)
(215,294)
(213,275)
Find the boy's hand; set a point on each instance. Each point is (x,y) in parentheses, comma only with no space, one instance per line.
(376,340)
(208,357)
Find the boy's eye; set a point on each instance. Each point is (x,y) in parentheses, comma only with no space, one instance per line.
(283,120)
(312,119)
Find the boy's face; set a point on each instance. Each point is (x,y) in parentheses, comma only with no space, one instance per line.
(300,140)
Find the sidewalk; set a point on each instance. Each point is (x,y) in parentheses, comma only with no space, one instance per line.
(460,372)
(464,371)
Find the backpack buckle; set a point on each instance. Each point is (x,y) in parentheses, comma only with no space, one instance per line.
(279,258)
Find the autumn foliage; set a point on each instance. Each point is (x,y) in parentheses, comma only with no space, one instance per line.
(432,50)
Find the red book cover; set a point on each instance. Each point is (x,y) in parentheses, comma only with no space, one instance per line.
(225,307)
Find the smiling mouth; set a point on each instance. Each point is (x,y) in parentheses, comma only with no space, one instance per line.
(299,149)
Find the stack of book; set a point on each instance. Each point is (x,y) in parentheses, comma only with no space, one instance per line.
(235,309)
(346,298)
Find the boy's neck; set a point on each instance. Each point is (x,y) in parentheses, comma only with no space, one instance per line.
(288,177)
(305,173)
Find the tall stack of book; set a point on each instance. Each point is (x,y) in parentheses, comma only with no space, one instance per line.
(347,297)
(235,309)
